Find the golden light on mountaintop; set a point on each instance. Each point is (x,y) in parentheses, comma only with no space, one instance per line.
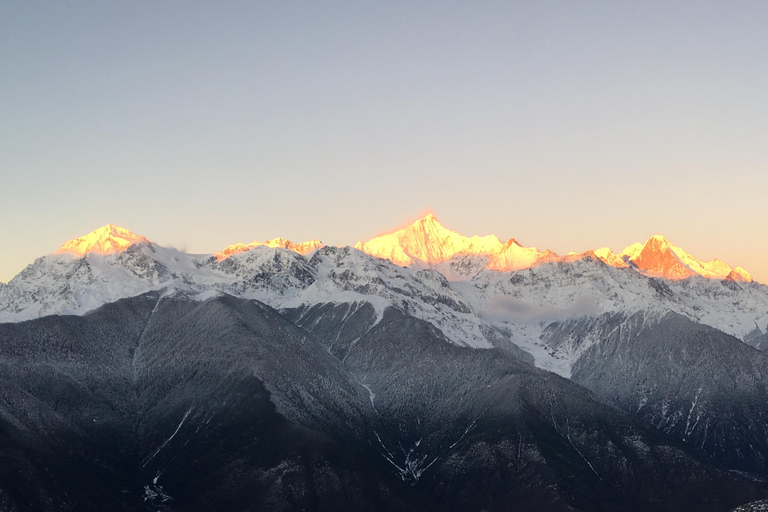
(107,239)
(659,257)
(427,242)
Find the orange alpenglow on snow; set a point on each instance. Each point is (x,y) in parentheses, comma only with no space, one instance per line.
(301,248)
(659,258)
(109,239)
(427,241)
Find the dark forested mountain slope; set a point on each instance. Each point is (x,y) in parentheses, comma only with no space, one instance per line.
(172,405)
(157,403)
(696,383)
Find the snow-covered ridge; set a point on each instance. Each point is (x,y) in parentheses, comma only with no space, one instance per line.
(523,304)
(301,247)
(427,244)
(659,258)
(482,308)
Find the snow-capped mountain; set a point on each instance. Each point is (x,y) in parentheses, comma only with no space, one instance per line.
(505,294)
(525,302)
(109,263)
(63,283)
(109,239)
(659,258)
(427,244)
(378,344)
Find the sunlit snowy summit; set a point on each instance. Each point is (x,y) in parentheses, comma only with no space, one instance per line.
(427,243)
(109,239)
(478,290)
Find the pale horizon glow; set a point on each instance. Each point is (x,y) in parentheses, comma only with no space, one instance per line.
(567,126)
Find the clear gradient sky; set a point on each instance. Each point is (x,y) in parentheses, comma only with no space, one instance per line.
(568,125)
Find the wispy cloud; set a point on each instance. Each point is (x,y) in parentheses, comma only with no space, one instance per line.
(503,308)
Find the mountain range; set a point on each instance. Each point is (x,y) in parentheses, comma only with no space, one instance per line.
(419,370)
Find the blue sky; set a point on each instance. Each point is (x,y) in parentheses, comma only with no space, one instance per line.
(568,125)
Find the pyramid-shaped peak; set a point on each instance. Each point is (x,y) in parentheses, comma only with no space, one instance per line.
(655,244)
(658,241)
(430,230)
(429,221)
(108,239)
(659,258)
(426,241)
